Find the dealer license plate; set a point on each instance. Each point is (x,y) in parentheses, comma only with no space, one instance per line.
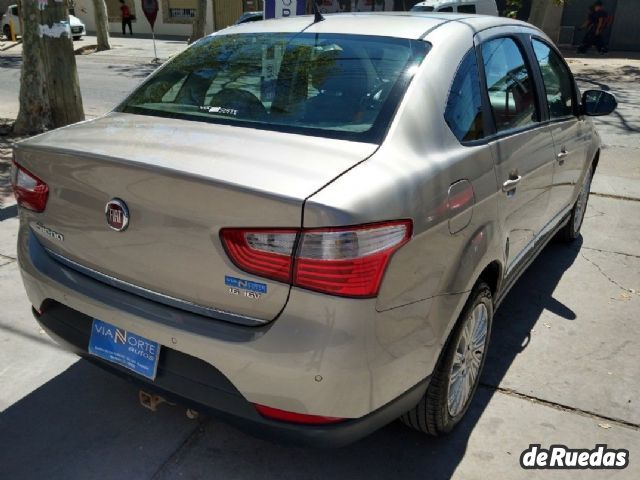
(124,348)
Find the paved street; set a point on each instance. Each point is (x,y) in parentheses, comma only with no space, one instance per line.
(105,77)
(563,368)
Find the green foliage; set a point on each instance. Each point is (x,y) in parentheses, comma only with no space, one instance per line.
(512,8)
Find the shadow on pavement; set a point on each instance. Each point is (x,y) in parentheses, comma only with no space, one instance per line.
(520,311)
(623,120)
(136,71)
(7,61)
(86,423)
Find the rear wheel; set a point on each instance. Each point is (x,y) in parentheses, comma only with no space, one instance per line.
(7,32)
(571,230)
(457,373)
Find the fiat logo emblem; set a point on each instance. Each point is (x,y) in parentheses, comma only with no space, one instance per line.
(117,214)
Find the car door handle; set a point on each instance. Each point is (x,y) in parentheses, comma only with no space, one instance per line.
(510,185)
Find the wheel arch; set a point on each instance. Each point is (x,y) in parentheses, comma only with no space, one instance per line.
(596,159)
(492,276)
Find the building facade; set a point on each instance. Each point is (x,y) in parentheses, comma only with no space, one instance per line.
(623,34)
(175,17)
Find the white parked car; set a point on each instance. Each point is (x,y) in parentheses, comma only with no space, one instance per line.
(11,15)
(481,7)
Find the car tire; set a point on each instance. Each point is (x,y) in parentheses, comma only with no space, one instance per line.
(438,412)
(7,32)
(76,38)
(571,231)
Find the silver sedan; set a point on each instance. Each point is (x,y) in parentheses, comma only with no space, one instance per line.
(307,224)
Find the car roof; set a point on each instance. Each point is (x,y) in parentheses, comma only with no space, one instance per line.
(411,25)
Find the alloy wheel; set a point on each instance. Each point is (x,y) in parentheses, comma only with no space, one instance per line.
(467,359)
(581,204)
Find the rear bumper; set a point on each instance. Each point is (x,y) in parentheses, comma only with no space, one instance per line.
(195,383)
(323,356)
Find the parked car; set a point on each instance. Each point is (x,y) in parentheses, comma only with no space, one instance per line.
(307,227)
(481,7)
(76,26)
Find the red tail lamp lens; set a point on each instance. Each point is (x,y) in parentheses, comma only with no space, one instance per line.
(263,252)
(345,261)
(30,192)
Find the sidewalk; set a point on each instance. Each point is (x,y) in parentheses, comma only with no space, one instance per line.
(6,143)
(136,48)
(619,167)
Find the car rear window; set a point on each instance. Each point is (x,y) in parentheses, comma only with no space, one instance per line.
(338,86)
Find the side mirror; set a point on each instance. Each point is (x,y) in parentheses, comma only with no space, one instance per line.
(596,103)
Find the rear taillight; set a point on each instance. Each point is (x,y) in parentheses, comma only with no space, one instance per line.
(344,261)
(263,252)
(29,190)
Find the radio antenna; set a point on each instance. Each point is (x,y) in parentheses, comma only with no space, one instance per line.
(317,16)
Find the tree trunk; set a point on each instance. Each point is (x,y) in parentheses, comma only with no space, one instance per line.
(102,25)
(63,87)
(547,15)
(199,21)
(34,115)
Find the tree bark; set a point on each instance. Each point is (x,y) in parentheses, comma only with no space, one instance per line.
(547,15)
(63,87)
(34,115)
(102,25)
(197,29)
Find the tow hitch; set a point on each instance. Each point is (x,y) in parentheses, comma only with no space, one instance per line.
(150,401)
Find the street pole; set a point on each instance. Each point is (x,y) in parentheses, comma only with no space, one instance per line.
(155,52)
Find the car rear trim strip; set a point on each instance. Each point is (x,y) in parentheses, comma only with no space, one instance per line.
(156,296)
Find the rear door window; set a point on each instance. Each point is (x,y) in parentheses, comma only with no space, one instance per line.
(340,86)
(446,9)
(558,81)
(466,8)
(463,113)
(509,84)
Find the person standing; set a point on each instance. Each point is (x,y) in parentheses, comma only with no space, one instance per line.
(596,23)
(125,13)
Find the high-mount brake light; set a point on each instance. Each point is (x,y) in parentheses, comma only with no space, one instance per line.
(343,261)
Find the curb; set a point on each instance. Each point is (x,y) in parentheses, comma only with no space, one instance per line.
(4,47)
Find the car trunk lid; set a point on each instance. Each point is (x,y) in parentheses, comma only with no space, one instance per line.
(181,182)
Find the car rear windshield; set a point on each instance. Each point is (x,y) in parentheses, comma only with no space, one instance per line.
(337,86)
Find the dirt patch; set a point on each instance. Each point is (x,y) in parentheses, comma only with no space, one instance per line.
(7,139)
(86,50)
(606,69)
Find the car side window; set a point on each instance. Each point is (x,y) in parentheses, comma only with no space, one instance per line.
(466,9)
(557,78)
(509,84)
(446,9)
(463,113)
